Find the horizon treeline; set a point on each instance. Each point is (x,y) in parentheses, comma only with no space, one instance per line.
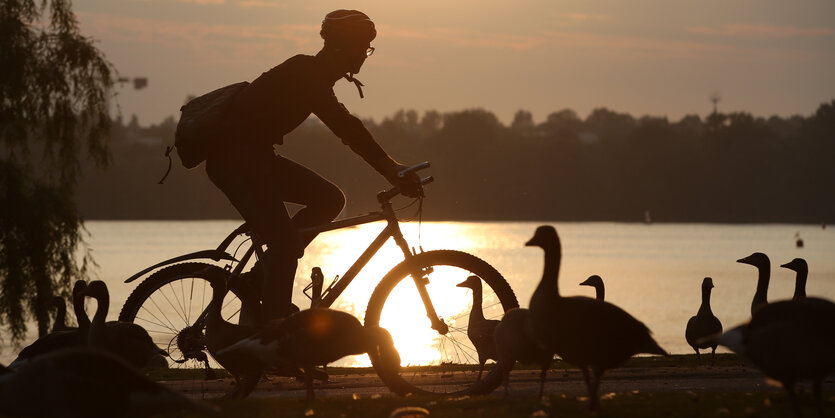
(610,166)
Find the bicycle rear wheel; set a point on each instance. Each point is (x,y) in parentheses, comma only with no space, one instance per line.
(396,306)
(168,304)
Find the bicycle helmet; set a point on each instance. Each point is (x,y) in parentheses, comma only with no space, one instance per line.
(345,27)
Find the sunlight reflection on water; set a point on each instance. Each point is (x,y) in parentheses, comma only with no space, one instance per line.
(652,271)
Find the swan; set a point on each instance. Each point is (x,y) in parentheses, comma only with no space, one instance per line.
(85,382)
(594,336)
(763,265)
(789,341)
(129,341)
(480,330)
(315,337)
(513,344)
(597,283)
(703,324)
(221,334)
(59,339)
(798,265)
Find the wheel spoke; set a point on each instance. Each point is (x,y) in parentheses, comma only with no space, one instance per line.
(177,309)
(162,312)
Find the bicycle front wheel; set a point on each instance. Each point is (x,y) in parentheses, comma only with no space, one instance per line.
(432,362)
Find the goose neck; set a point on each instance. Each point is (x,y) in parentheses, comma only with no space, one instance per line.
(705,307)
(100,316)
(800,284)
(477,312)
(551,272)
(761,296)
(80,314)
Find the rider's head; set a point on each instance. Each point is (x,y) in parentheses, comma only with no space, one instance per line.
(348,33)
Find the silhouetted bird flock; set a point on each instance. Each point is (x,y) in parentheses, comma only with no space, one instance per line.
(93,370)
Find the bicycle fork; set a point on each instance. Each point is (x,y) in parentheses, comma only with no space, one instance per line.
(420,279)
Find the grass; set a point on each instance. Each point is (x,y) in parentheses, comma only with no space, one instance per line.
(643,405)
(764,404)
(675,360)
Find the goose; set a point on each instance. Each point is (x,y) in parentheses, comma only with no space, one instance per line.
(59,339)
(789,341)
(513,344)
(597,283)
(85,382)
(221,334)
(798,265)
(315,337)
(60,306)
(480,330)
(594,336)
(763,265)
(703,324)
(129,341)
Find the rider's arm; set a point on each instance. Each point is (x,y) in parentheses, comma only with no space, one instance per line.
(353,133)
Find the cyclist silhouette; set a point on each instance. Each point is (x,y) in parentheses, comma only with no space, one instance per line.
(258,182)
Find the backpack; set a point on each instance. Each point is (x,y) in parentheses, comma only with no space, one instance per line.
(203,124)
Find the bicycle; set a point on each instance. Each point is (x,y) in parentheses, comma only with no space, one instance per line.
(182,286)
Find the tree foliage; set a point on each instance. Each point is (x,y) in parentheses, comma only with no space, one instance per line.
(54,84)
(608,166)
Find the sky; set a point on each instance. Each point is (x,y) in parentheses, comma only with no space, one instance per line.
(643,57)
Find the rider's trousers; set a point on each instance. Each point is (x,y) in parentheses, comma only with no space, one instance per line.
(258,183)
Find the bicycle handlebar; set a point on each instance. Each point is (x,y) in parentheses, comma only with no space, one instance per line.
(389,194)
(416,167)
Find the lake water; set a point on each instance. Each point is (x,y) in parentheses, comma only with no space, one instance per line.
(652,271)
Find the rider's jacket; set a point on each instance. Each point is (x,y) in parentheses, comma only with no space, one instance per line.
(282,98)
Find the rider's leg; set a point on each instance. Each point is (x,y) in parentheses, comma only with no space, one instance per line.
(323,201)
(245,175)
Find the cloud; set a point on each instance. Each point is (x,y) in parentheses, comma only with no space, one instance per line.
(203,2)
(462,37)
(760,31)
(583,17)
(247,4)
(206,40)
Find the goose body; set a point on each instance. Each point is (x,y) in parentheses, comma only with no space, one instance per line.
(703,324)
(59,339)
(789,341)
(129,341)
(479,329)
(802,269)
(763,265)
(513,344)
(85,383)
(596,282)
(593,335)
(314,337)
(221,334)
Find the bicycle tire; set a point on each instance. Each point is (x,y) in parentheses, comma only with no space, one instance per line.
(166,332)
(449,267)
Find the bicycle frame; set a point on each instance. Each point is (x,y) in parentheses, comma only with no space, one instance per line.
(335,289)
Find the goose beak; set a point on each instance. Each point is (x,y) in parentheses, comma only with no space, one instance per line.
(787,265)
(743,260)
(531,242)
(462,284)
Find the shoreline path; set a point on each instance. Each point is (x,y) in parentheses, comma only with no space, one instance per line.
(523,382)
